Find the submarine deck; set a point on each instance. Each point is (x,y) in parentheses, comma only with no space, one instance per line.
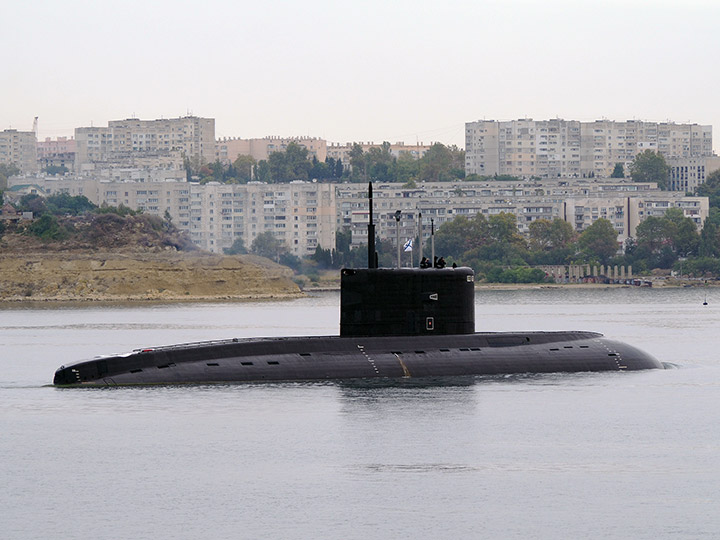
(335,357)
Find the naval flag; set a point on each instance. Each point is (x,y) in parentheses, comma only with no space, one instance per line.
(408,245)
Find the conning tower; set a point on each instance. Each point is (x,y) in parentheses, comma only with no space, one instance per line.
(405,302)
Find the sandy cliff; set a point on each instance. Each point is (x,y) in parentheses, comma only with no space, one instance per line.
(167,275)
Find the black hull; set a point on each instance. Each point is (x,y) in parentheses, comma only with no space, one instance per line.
(356,357)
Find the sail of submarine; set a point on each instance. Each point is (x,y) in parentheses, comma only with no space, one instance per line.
(394,323)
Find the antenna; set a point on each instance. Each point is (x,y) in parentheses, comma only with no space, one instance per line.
(372,258)
(420,237)
(432,241)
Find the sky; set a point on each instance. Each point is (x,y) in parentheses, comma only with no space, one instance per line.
(376,70)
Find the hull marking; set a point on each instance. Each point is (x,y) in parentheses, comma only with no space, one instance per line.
(406,371)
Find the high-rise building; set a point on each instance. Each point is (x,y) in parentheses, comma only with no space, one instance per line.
(166,141)
(300,215)
(58,152)
(19,148)
(686,174)
(572,149)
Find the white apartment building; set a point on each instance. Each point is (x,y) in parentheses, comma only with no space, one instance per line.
(300,214)
(19,148)
(579,202)
(162,143)
(626,213)
(572,149)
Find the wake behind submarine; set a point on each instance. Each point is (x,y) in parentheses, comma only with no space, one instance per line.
(394,323)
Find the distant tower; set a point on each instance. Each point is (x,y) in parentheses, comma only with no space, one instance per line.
(35,128)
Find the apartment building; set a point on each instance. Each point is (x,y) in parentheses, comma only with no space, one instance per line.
(228,149)
(300,215)
(92,145)
(626,213)
(59,152)
(572,149)
(96,150)
(579,202)
(19,148)
(686,174)
(162,143)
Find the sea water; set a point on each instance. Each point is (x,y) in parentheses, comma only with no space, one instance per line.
(608,455)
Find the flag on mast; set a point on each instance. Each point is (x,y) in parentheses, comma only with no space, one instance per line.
(408,245)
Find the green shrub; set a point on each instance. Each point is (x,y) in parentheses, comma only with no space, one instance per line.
(47,228)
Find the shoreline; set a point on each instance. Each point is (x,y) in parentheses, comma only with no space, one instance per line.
(657,283)
(144,299)
(160,298)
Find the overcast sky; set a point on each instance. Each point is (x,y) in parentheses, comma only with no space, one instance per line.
(369,70)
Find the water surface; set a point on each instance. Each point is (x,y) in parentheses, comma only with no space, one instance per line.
(613,455)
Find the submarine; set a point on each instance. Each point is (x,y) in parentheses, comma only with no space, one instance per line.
(395,323)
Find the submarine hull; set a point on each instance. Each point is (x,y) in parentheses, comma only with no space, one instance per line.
(394,323)
(358,357)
